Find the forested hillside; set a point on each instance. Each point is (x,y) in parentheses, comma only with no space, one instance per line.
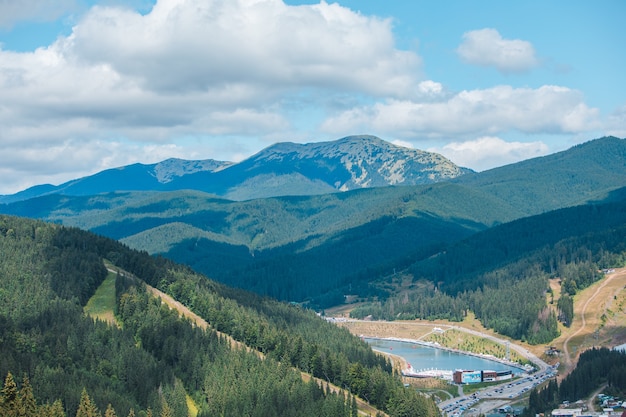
(587,171)
(60,361)
(316,249)
(290,248)
(501,274)
(595,367)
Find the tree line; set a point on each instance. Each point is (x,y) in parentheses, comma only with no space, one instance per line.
(596,366)
(502,274)
(155,362)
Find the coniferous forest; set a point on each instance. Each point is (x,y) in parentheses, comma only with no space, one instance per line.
(57,361)
(488,272)
(595,367)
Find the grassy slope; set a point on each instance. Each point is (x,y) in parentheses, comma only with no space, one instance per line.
(602,307)
(102,304)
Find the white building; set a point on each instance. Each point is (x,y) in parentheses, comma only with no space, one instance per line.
(567,412)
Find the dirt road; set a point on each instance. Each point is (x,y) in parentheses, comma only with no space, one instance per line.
(587,320)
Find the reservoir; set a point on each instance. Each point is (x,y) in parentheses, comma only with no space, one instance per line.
(424,357)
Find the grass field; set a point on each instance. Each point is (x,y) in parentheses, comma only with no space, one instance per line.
(102,305)
(599,319)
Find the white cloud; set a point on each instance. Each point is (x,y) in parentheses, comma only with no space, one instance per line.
(196,45)
(13,11)
(617,122)
(231,76)
(214,70)
(489,152)
(23,166)
(403,143)
(548,109)
(487,48)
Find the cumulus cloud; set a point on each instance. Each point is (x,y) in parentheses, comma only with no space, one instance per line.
(23,166)
(205,45)
(212,70)
(548,109)
(489,152)
(487,48)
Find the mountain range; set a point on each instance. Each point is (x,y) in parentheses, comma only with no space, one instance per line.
(409,238)
(350,163)
(303,247)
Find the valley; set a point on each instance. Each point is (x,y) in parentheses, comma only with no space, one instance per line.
(599,320)
(465,262)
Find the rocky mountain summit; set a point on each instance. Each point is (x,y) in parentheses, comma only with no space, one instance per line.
(282,169)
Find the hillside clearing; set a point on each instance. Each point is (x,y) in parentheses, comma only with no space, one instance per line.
(599,319)
(101,305)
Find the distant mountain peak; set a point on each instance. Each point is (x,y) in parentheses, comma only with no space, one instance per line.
(170,169)
(286,168)
(366,161)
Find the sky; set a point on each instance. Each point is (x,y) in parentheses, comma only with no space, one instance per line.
(87,85)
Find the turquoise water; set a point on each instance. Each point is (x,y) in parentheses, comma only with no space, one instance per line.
(423,357)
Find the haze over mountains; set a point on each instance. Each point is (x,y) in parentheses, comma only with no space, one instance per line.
(281,246)
(282,169)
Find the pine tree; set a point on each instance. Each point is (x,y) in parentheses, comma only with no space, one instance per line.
(86,408)
(10,400)
(54,410)
(28,404)
(110,412)
(166,411)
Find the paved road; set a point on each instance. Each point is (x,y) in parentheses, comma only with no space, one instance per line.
(493,397)
(499,395)
(503,394)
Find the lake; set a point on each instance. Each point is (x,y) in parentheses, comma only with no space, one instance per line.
(423,357)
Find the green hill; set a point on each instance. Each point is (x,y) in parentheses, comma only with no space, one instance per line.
(584,172)
(154,359)
(318,248)
(501,274)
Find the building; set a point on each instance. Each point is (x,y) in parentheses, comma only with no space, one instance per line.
(567,412)
(473,377)
(467,377)
(490,376)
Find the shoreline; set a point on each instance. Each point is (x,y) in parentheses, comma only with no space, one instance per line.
(524,368)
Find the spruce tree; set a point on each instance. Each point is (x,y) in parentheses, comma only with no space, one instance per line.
(166,411)
(110,412)
(27,402)
(86,408)
(53,410)
(10,399)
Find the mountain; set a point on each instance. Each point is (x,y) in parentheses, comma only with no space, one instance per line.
(586,171)
(501,274)
(350,163)
(244,355)
(303,247)
(135,177)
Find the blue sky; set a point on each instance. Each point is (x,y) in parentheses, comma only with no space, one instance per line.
(87,85)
